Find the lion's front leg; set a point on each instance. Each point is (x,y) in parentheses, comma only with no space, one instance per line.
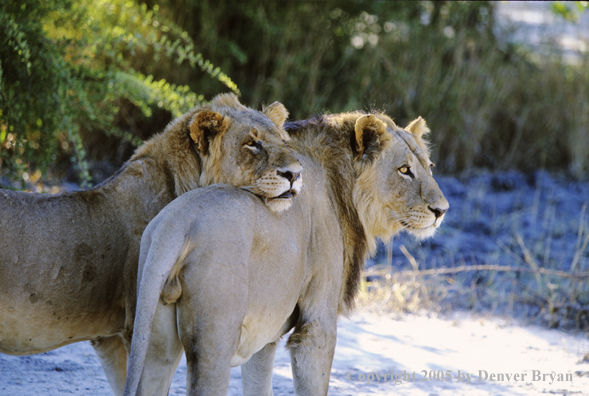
(312,346)
(256,374)
(113,358)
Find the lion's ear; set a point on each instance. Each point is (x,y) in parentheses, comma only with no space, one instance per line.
(205,126)
(370,137)
(277,113)
(418,128)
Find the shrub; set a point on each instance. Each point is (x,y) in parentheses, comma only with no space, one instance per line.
(66,67)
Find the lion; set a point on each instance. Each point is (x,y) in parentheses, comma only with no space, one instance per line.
(223,278)
(68,262)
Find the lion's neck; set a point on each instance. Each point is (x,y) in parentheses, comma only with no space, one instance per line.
(325,140)
(161,169)
(140,186)
(174,154)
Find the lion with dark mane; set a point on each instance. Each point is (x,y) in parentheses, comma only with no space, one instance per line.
(223,278)
(68,262)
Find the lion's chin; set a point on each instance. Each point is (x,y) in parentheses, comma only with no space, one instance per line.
(281,202)
(422,233)
(278,205)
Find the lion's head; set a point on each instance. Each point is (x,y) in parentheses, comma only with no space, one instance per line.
(226,142)
(395,189)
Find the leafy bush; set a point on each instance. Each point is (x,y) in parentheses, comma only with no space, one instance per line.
(67,67)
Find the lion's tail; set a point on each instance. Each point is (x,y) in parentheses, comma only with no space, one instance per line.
(165,253)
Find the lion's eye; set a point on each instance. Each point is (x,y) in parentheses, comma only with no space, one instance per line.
(405,170)
(253,145)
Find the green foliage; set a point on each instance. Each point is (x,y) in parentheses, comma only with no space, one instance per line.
(22,95)
(66,66)
(144,91)
(569,10)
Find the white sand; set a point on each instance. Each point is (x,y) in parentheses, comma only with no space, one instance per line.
(368,344)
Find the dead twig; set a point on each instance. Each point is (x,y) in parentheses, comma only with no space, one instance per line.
(482,267)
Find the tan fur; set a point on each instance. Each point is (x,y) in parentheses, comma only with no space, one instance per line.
(278,114)
(68,262)
(252,275)
(418,128)
(230,100)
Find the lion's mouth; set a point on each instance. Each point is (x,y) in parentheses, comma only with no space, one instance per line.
(418,227)
(287,194)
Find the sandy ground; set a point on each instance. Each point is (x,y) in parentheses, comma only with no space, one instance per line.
(461,353)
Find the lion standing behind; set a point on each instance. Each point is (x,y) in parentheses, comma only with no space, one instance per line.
(68,262)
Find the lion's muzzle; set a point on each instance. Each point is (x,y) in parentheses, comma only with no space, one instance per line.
(279,186)
(291,176)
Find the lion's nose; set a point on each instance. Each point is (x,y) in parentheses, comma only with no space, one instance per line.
(438,212)
(290,176)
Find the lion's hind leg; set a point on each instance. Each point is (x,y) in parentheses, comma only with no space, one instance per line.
(165,251)
(210,317)
(164,353)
